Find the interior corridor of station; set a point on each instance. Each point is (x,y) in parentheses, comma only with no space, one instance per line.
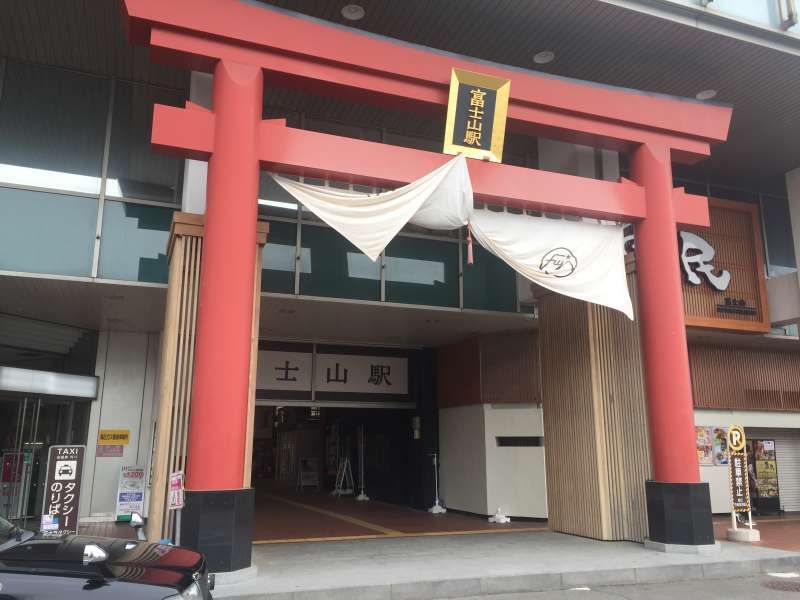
(295,505)
(300,447)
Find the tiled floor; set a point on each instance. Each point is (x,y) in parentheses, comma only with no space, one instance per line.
(286,516)
(782,532)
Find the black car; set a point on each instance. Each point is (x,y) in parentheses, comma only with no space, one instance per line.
(76,566)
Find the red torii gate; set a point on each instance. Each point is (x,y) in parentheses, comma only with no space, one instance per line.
(244,46)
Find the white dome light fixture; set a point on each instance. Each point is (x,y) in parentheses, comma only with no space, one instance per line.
(706,94)
(544,57)
(353,12)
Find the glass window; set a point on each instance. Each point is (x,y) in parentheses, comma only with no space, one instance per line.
(52,128)
(421,271)
(46,233)
(278,258)
(778,229)
(273,200)
(764,12)
(332,266)
(135,169)
(134,242)
(489,283)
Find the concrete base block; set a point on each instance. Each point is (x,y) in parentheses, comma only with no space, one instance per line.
(683,548)
(744,534)
(233,577)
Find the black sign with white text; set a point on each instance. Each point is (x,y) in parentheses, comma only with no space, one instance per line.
(740,491)
(474,117)
(62,491)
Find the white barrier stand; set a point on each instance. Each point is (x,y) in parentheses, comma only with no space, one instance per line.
(362,497)
(499,517)
(436,509)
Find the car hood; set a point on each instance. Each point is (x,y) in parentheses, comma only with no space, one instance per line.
(128,560)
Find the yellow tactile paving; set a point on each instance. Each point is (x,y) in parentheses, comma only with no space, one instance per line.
(361,523)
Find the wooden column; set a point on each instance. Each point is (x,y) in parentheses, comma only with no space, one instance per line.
(177,363)
(595,421)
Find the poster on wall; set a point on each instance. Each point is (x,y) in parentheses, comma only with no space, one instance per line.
(705,447)
(766,468)
(130,491)
(719,442)
(712,445)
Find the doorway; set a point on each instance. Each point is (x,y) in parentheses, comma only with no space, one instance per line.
(299,447)
(29,425)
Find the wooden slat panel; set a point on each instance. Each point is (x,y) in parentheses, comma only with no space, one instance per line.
(595,421)
(573,481)
(458,374)
(619,370)
(251,384)
(744,378)
(177,363)
(184,364)
(510,369)
(162,425)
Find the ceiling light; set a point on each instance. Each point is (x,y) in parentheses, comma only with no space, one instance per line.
(544,57)
(353,12)
(706,94)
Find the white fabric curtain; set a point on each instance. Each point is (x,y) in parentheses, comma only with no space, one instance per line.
(442,199)
(581,260)
(578,259)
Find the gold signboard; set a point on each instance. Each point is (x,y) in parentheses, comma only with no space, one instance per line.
(476,115)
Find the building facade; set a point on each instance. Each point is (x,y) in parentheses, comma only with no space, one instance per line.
(101,239)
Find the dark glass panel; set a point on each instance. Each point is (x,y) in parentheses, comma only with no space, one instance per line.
(422,271)
(135,169)
(489,283)
(278,258)
(52,128)
(134,242)
(46,233)
(332,266)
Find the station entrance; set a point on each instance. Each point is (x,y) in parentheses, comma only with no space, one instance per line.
(346,452)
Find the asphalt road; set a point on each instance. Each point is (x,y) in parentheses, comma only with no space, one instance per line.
(762,587)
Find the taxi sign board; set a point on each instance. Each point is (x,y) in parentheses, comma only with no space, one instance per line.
(62,491)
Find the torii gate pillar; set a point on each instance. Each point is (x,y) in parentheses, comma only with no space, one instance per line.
(218,422)
(678,505)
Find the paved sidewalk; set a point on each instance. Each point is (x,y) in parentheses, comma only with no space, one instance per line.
(777,531)
(458,566)
(747,588)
